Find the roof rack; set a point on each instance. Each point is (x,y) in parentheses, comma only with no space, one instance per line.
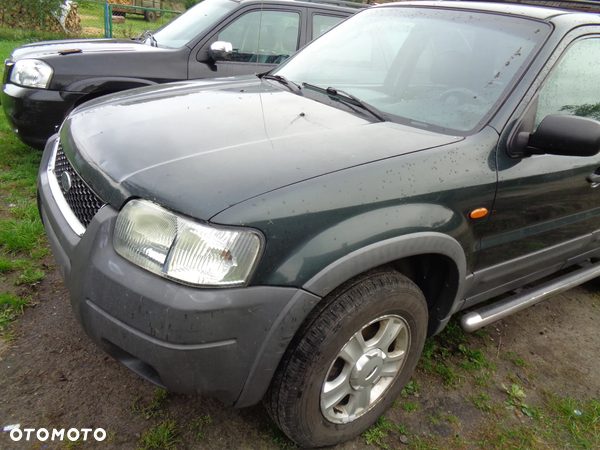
(578,5)
(340,3)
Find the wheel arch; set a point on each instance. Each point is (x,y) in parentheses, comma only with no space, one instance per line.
(420,257)
(97,87)
(415,255)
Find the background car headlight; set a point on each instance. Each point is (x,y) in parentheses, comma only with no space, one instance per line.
(185,250)
(31,73)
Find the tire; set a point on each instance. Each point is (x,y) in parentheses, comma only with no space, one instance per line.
(318,397)
(150,16)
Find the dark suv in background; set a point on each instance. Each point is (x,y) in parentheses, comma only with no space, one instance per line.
(44,81)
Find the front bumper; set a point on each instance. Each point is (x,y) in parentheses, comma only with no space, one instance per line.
(189,340)
(36,114)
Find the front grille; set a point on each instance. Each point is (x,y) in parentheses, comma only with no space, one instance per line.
(83,202)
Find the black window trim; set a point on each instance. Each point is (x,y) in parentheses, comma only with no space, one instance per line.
(201,48)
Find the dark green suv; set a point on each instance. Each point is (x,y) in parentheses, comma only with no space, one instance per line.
(295,236)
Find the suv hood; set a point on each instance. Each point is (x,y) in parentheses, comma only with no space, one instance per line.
(201,147)
(42,50)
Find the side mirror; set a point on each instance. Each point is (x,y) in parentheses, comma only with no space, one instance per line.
(220,50)
(559,135)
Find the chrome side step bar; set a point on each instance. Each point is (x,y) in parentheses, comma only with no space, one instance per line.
(492,313)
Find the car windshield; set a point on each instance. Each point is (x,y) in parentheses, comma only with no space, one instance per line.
(186,27)
(437,69)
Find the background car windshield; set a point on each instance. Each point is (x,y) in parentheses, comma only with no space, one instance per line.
(189,25)
(436,69)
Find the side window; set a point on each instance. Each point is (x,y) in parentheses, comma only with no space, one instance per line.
(573,87)
(322,23)
(267,37)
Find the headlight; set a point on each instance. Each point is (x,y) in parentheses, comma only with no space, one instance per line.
(185,250)
(31,73)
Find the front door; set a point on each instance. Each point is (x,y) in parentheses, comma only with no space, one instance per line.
(545,209)
(261,40)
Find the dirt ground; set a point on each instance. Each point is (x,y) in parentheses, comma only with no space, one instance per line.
(52,376)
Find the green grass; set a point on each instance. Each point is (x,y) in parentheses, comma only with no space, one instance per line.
(484,380)
(21,235)
(378,432)
(198,426)
(428,355)
(69,444)
(435,443)
(92,21)
(30,277)
(483,334)
(411,388)
(156,408)
(22,239)
(519,362)
(516,400)
(481,401)
(436,418)
(450,356)
(10,35)
(161,437)
(561,422)
(475,360)
(452,379)
(11,306)
(444,346)
(498,436)
(6,265)
(135,24)
(573,422)
(512,423)
(410,407)
(7,46)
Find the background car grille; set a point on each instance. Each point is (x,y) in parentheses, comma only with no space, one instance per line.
(80,198)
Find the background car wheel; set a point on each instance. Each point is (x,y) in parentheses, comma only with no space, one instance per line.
(150,16)
(349,360)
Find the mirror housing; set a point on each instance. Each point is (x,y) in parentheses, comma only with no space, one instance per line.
(559,134)
(220,50)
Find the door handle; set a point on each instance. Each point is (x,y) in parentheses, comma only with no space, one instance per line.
(593,179)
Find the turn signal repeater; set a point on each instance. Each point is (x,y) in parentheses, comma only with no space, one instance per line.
(478,213)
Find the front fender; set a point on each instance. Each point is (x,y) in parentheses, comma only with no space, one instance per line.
(368,240)
(384,252)
(296,311)
(108,84)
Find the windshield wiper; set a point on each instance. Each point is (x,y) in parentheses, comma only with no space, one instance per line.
(348,98)
(144,36)
(283,80)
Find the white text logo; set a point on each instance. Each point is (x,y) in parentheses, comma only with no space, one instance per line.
(42,434)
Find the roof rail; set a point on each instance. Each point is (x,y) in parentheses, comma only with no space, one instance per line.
(340,3)
(578,5)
